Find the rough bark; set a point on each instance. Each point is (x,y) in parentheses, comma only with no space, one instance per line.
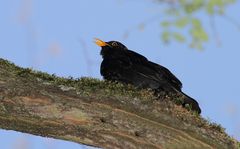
(99,113)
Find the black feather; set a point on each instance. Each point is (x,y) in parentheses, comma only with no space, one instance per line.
(126,66)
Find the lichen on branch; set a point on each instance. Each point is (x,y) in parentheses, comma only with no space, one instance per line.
(99,113)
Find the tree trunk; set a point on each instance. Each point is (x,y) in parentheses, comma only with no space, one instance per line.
(99,113)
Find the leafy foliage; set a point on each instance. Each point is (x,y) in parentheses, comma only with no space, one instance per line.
(182,15)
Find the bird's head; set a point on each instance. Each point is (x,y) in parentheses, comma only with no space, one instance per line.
(110,47)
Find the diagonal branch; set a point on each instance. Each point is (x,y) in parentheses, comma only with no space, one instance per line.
(99,113)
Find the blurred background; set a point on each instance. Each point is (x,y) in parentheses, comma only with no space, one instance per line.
(198,40)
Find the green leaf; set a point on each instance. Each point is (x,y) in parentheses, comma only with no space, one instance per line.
(182,22)
(219,2)
(203,35)
(196,44)
(173,12)
(165,36)
(179,37)
(196,23)
(199,34)
(165,24)
(210,9)
(192,6)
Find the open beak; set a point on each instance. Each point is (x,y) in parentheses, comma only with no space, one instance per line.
(100,42)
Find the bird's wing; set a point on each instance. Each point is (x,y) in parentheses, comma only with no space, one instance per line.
(126,71)
(172,79)
(160,71)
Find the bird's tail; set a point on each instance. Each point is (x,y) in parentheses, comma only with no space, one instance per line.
(187,100)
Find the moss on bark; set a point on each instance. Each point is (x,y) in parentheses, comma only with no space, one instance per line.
(100,113)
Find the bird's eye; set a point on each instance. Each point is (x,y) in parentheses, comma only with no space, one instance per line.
(114,44)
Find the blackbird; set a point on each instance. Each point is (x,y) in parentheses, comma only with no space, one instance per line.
(123,65)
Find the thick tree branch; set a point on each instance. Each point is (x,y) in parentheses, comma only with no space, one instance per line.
(99,113)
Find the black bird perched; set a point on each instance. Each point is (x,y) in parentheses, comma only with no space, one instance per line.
(123,65)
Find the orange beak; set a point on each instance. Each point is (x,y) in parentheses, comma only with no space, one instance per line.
(100,42)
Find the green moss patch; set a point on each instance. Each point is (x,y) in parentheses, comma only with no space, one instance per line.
(99,88)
